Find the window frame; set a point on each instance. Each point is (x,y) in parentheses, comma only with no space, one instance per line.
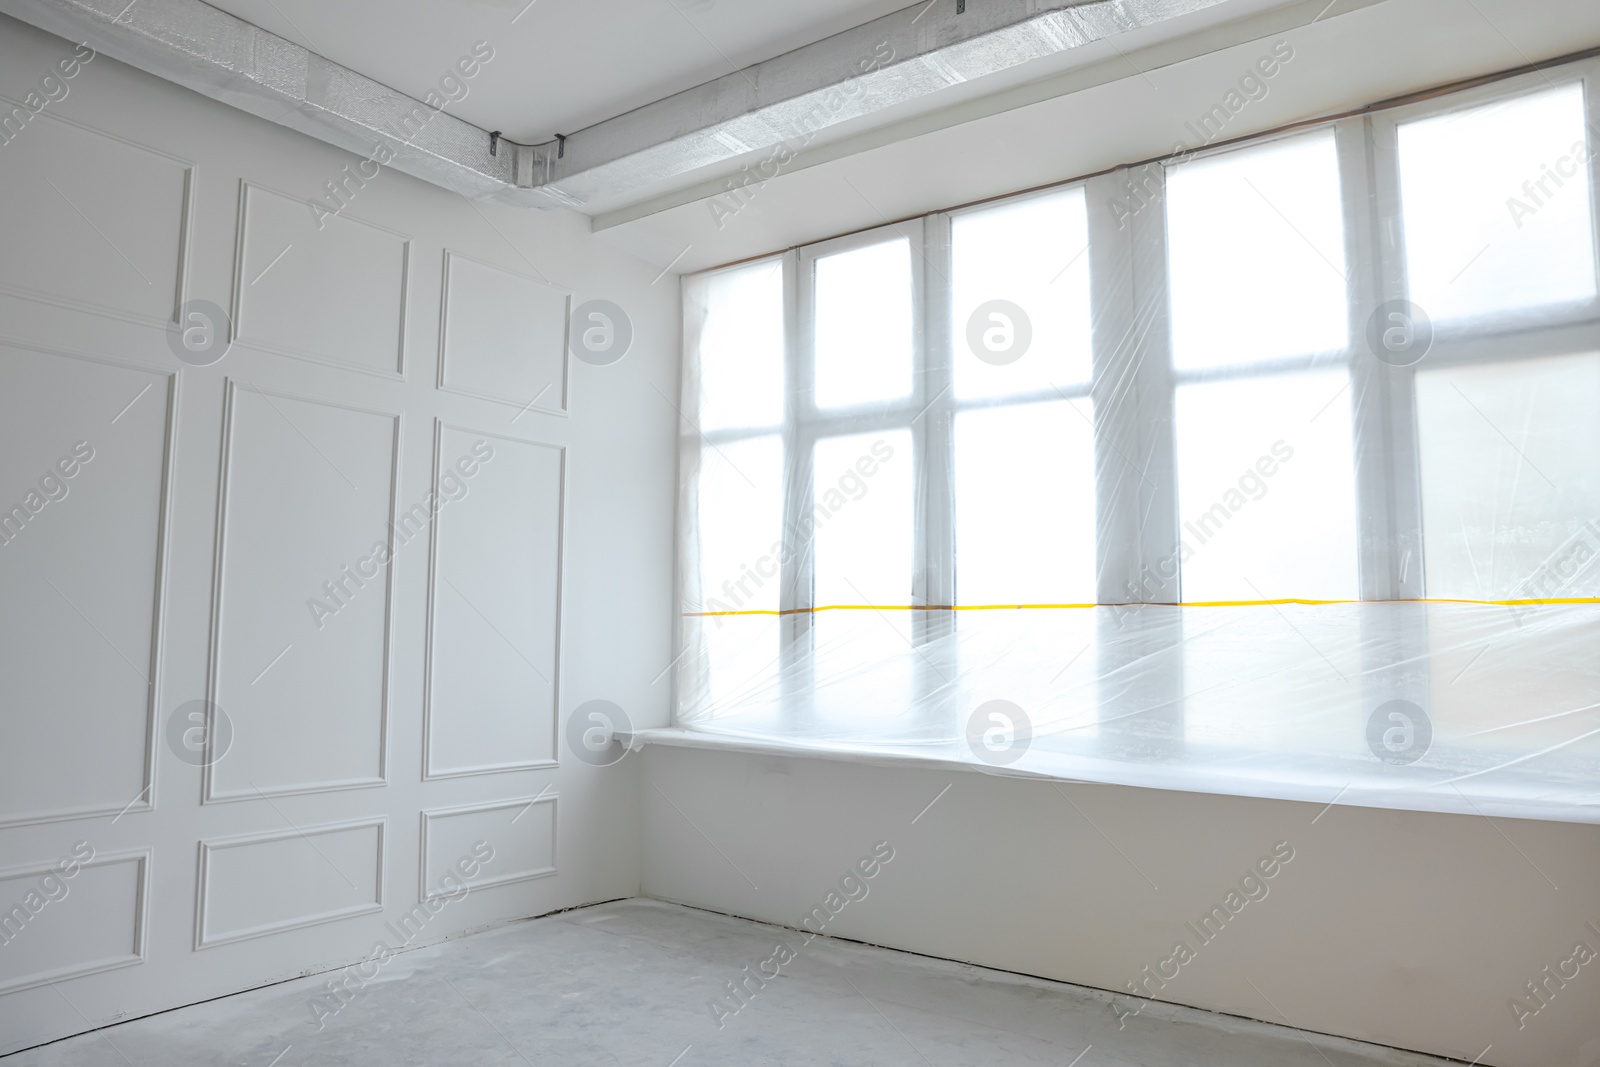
(1134,383)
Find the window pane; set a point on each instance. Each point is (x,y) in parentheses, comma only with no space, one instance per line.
(1510,462)
(739,354)
(1032,254)
(1497,206)
(863,325)
(863,516)
(741,520)
(1255,243)
(1025,511)
(740,514)
(864,536)
(1266,489)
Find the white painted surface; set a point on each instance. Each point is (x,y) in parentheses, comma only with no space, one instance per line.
(64,219)
(340,300)
(103,930)
(180,559)
(1401,928)
(286,460)
(504,336)
(494,658)
(262,884)
(80,663)
(454,852)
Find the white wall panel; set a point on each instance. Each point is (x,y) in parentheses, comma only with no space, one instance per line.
(494,629)
(329,288)
(59,926)
(221,498)
(76,239)
(303,599)
(503,336)
(268,883)
(486,845)
(80,609)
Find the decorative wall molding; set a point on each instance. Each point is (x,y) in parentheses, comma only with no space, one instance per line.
(431,815)
(428,771)
(210,794)
(239,309)
(141,917)
(203,888)
(185,228)
(557,405)
(145,799)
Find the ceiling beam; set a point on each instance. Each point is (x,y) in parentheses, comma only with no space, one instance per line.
(705,132)
(223,57)
(890,62)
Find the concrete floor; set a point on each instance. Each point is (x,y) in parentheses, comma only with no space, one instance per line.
(630,982)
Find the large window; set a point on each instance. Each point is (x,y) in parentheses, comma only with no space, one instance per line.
(1357,361)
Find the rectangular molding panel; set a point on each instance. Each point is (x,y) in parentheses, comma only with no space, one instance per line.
(78,241)
(503,336)
(518,836)
(78,740)
(329,289)
(263,884)
(59,926)
(494,632)
(300,664)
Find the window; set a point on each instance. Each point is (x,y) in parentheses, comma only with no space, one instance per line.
(1022,361)
(1356,362)
(1497,205)
(1511,477)
(1260,350)
(1255,242)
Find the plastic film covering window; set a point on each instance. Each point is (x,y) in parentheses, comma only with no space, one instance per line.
(1271,469)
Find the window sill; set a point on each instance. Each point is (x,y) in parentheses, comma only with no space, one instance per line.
(1375,790)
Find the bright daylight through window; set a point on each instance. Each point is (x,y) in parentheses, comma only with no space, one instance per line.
(1286,480)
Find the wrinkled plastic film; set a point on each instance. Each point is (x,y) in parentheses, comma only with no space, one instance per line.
(1273,469)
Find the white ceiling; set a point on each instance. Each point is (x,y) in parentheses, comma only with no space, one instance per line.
(563,64)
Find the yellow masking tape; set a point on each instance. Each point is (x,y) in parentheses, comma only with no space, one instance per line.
(1189,604)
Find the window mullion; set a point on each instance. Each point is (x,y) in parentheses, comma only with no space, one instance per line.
(931,436)
(795,594)
(1384,399)
(1591,103)
(1136,473)
(1135,461)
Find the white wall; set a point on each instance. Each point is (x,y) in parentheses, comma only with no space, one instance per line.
(118,607)
(1404,928)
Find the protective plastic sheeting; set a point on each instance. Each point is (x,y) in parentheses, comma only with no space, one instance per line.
(1272,469)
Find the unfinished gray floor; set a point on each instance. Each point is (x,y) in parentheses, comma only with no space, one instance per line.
(630,982)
